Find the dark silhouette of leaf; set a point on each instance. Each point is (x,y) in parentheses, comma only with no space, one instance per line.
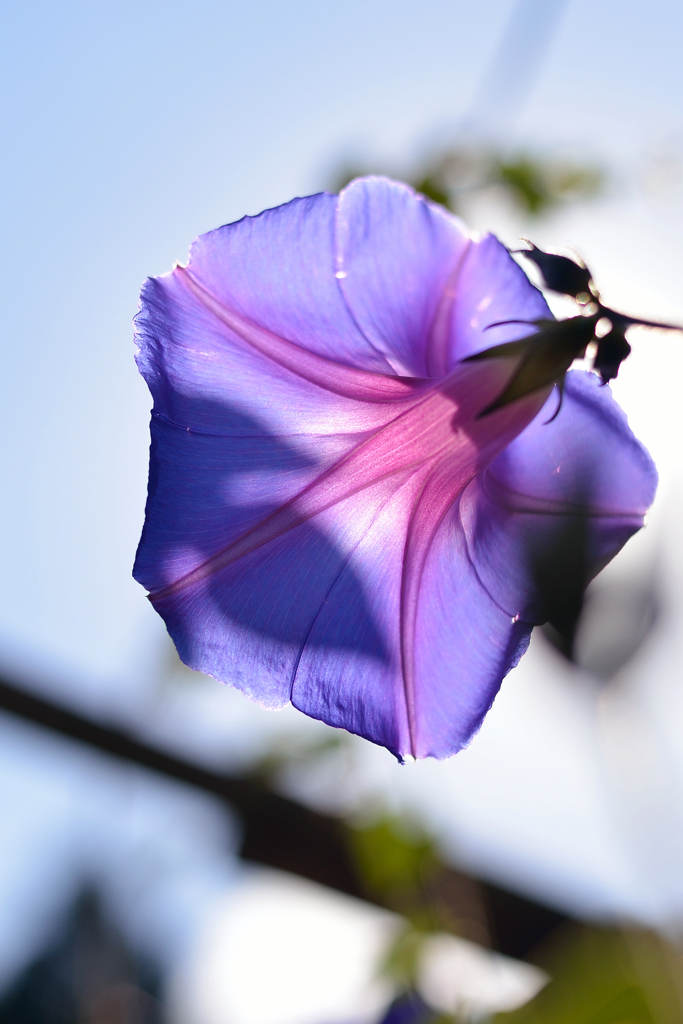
(544,357)
(559,273)
(613,348)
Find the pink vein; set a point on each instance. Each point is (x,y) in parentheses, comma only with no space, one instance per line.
(347,381)
(442,485)
(414,435)
(440,334)
(426,434)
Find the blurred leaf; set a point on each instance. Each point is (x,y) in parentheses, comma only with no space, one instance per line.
(286,752)
(397,863)
(433,188)
(534,183)
(524,178)
(402,960)
(606,976)
(537,184)
(618,618)
(347,174)
(562,570)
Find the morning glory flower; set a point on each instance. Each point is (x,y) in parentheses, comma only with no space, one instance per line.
(331,520)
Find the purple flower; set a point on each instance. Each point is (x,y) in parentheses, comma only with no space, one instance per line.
(329,521)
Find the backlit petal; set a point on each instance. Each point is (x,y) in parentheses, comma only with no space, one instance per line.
(491,288)
(277,270)
(586,463)
(205,375)
(314,599)
(330,521)
(396,253)
(465,645)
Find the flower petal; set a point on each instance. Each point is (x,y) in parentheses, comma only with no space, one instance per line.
(448,644)
(491,288)
(324,530)
(356,689)
(205,490)
(277,270)
(465,645)
(250,620)
(584,465)
(396,253)
(421,290)
(315,596)
(204,374)
(478,595)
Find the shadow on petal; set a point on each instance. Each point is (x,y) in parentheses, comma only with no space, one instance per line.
(556,506)
(247,622)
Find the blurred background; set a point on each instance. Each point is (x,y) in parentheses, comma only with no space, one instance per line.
(170,852)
